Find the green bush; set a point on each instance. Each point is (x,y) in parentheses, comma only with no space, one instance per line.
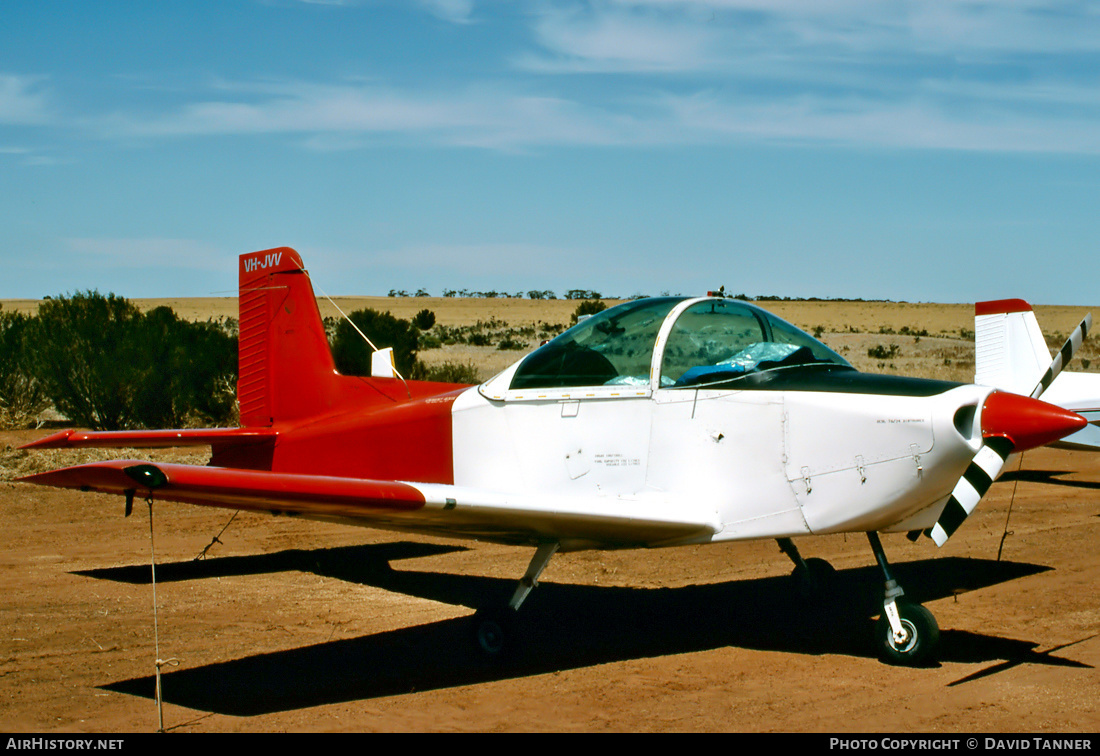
(424,320)
(201,362)
(429,341)
(447,372)
(352,353)
(588,307)
(107,366)
(882,352)
(510,344)
(22,396)
(88,358)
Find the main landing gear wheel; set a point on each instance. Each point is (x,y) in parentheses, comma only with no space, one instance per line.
(920,633)
(491,628)
(494,626)
(813,577)
(815,580)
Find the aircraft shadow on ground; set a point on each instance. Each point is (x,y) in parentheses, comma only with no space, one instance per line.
(564,626)
(363,560)
(1049,477)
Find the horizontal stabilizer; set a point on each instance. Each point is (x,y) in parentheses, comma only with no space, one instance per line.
(151,439)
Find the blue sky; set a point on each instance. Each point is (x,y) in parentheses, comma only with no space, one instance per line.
(922,151)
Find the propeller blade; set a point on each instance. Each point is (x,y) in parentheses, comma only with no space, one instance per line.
(1065,354)
(979,476)
(1009,423)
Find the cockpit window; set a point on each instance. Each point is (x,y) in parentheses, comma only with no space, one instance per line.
(614,347)
(721,340)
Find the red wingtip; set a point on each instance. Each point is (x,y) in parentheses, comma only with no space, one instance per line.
(59,440)
(107,477)
(1027,422)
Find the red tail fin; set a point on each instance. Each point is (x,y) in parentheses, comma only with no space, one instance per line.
(366,427)
(286,368)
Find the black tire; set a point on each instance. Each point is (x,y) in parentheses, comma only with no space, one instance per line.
(492,631)
(815,582)
(923,635)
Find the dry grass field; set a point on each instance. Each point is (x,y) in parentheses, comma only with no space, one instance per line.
(290,625)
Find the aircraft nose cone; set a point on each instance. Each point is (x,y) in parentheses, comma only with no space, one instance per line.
(1027,422)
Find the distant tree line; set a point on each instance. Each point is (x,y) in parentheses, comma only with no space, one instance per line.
(589,294)
(493,294)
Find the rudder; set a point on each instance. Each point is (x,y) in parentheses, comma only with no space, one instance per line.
(286,371)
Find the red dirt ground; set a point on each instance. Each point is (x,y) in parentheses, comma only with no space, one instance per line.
(290,625)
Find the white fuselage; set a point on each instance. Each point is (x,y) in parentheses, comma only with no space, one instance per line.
(755,464)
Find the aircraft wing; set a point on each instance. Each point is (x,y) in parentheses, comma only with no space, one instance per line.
(427,508)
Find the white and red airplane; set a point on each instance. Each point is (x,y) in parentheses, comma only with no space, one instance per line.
(1010,353)
(659,422)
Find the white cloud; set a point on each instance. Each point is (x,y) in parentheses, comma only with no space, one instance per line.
(1012,75)
(849,26)
(456,11)
(619,41)
(345,116)
(23,101)
(1049,116)
(917,122)
(1007,75)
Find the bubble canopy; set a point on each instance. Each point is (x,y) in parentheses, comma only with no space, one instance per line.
(672,342)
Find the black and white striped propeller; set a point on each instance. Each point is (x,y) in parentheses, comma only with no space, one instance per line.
(1065,354)
(1010,423)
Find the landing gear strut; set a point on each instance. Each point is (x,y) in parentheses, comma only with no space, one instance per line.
(493,625)
(906,633)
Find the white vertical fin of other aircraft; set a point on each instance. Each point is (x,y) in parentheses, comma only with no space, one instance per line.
(991,457)
(1065,354)
(1009,351)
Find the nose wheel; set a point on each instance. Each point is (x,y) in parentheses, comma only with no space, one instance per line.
(907,633)
(917,638)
